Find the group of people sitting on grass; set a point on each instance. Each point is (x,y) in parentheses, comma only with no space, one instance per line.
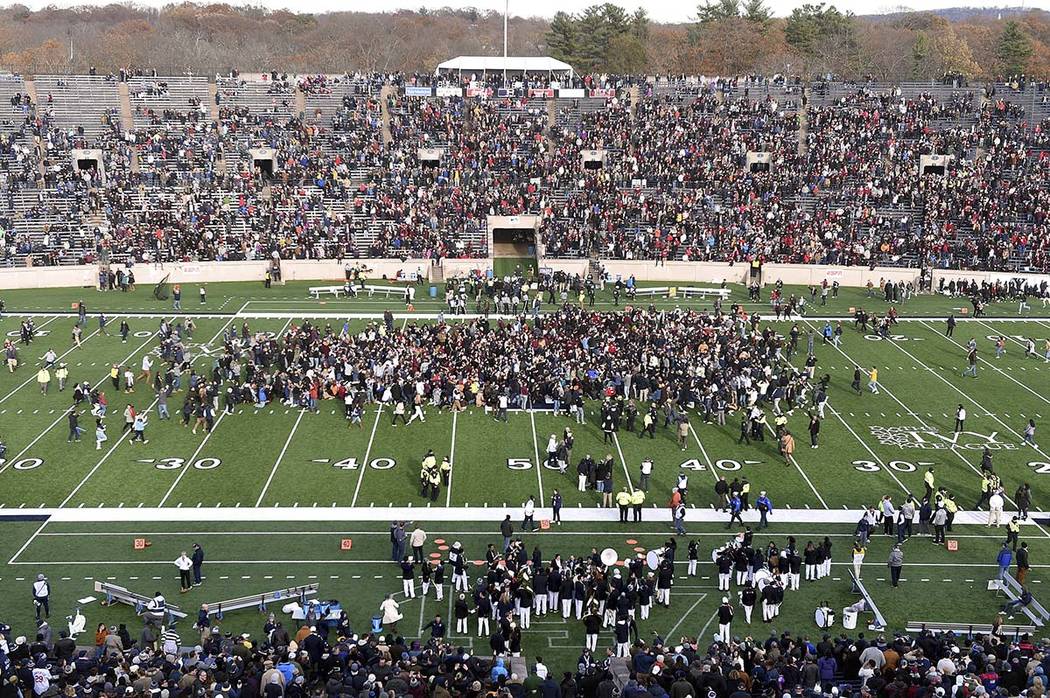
(675,183)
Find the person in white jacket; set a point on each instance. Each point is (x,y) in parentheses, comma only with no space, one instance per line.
(391,614)
(185,564)
(995,508)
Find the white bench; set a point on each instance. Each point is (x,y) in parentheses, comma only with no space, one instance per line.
(318,291)
(139,602)
(390,291)
(651,291)
(259,601)
(690,291)
(968,629)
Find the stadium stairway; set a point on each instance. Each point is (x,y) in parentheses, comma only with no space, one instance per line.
(30,87)
(213,108)
(384,105)
(633,95)
(300,103)
(803,122)
(126,116)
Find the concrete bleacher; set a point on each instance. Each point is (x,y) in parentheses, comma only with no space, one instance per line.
(264,99)
(88,102)
(152,98)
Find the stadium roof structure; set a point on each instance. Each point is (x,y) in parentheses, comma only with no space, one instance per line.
(510,64)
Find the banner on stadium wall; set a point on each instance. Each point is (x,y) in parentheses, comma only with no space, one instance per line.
(545,94)
(505,92)
(479,92)
(572,93)
(416,91)
(604,93)
(449,92)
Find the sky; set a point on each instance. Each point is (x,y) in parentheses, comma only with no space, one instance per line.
(660,10)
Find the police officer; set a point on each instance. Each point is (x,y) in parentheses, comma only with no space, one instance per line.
(637,500)
(623,500)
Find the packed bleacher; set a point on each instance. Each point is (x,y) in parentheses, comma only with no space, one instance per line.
(687,169)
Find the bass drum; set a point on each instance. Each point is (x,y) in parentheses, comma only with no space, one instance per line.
(762,577)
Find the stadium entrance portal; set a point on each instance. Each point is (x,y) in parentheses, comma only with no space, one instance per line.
(513,244)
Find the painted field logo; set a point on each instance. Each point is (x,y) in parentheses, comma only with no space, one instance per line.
(925,438)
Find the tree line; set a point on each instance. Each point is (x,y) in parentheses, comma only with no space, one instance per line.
(727,37)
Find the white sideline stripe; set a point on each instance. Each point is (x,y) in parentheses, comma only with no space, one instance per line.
(489,513)
(280,457)
(282,314)
(705,534)
(989,565)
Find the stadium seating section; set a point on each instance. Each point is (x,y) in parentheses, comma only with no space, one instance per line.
(843,184)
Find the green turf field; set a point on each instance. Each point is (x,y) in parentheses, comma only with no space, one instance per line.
(255,557)
(284,462)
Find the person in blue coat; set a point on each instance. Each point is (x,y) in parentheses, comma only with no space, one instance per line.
(1003,559)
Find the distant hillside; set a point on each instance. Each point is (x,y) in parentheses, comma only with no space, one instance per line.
(964,14)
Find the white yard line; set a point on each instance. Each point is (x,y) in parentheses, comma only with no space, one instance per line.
(32,378)
(27,543)
(280,457)
(368,452)
(703,451)
(872,453)
(536,452)
(706,626)
(992,366)
(681,619)
(193,458)
(623,461)
(801,472)
(62,416)
(452,460)
(124,434)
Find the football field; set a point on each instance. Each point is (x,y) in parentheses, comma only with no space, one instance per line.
(272,493)
(279,456)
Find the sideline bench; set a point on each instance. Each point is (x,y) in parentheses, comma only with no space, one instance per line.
(701,292)
(318,291)
(858,588)
(967,629)
(259,601)
(389,290)
(651,291)
(139,602)
(1035,610)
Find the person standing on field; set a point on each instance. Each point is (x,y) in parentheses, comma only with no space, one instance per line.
(184,565)
(896,563)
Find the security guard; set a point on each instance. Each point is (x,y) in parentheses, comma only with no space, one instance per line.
(745,492)
(62,375)
(434,478)
(986,489)
(951,507)
(780,424)
(446,470)
(929,481)
(1013,529)
(637,500)
(623,500)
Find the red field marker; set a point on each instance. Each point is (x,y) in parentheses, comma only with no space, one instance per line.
(346,544)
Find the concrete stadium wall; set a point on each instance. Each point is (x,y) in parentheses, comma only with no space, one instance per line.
(332,271)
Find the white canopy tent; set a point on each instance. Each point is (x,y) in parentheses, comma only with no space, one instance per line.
(499,64)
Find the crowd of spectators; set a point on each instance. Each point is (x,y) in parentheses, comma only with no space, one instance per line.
(361,170)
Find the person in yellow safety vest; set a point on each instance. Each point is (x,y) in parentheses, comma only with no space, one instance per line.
(446,470)
(951,507)
(637,500)
(1013,529)
(986,490)
(928,480)
(745,492)
(780,424)
(623,500)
